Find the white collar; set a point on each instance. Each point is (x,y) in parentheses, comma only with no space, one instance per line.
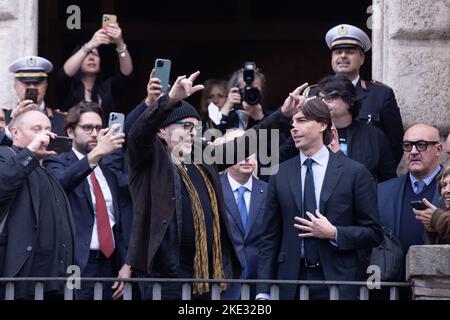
(355,82)
(321,157)
(236,185)
(78,154)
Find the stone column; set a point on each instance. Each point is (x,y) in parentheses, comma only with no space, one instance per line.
(411,54)
(428,268)
(18,38)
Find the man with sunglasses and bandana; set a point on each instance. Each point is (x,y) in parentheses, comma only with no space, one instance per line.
(180,228)
(421,152)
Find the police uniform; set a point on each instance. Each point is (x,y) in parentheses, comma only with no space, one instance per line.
(378,103)
(34,69)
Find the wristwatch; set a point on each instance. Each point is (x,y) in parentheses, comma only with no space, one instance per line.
(122,51)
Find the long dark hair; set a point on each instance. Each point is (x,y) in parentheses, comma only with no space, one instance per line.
(340,86)
(78,86)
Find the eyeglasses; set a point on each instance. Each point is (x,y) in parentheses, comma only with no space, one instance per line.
(421,145)
(189,126)
(88,128)
(330,97)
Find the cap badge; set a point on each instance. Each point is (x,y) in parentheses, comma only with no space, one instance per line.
(342,30)
(31,62)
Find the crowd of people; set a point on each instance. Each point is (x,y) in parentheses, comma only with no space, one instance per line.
(163,197)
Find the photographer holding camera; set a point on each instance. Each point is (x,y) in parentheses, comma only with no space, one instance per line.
(243,106)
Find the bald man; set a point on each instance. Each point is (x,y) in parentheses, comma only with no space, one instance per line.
(421,152)
(36,227)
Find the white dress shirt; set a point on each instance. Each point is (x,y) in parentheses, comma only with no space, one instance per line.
(319,167)
(236,185)
(108,199)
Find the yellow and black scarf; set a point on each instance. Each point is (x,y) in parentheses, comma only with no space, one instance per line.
(201,265)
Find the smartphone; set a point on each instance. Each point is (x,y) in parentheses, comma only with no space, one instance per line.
(418,205)
(60,144)
(162,72)
(115,117)
(31,94)
(108,19)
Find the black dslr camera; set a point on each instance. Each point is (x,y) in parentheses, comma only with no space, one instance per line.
(250,94)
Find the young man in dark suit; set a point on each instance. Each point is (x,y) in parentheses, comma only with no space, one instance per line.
(93,194)
(330,199)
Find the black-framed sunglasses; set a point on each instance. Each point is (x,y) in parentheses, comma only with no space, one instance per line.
(421,145)
(189,126)
(88,128)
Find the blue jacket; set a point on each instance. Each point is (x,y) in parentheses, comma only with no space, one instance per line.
(390,197)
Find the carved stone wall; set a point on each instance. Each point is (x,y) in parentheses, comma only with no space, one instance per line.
(411,53)
(18,38)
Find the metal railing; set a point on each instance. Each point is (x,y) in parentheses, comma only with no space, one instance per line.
(39,287)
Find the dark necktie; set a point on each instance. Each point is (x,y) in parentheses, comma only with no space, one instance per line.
(309,200)
(105,237)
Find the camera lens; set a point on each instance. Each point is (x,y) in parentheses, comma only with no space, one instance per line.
(252,96)
(159,63)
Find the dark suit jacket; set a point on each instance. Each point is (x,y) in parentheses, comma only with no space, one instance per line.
(348,200)
(154,184)
(390,201)
(18,184)
(4,140)
(246,244)
(72,173)
(117,162)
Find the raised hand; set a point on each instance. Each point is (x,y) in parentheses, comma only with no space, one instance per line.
(154,89)
(100,37)
(107,143)
(115,34)
(23,106)
(184,87)
(294,102)
(39,144)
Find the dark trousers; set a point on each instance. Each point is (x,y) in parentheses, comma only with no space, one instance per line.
(98,266)
(316,292)
(169,291)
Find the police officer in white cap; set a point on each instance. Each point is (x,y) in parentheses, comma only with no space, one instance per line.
(379,106)
(31,85)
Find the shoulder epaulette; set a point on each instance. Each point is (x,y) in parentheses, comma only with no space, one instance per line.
(60,112)
(379,83)
(363,85)
(307,90)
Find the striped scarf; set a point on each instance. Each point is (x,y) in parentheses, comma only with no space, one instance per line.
(201,265)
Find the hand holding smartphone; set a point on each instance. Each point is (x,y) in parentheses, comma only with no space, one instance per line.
(31,94)
(162,72)
(418,205)
(108,19)
(60,144)
(119,118)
